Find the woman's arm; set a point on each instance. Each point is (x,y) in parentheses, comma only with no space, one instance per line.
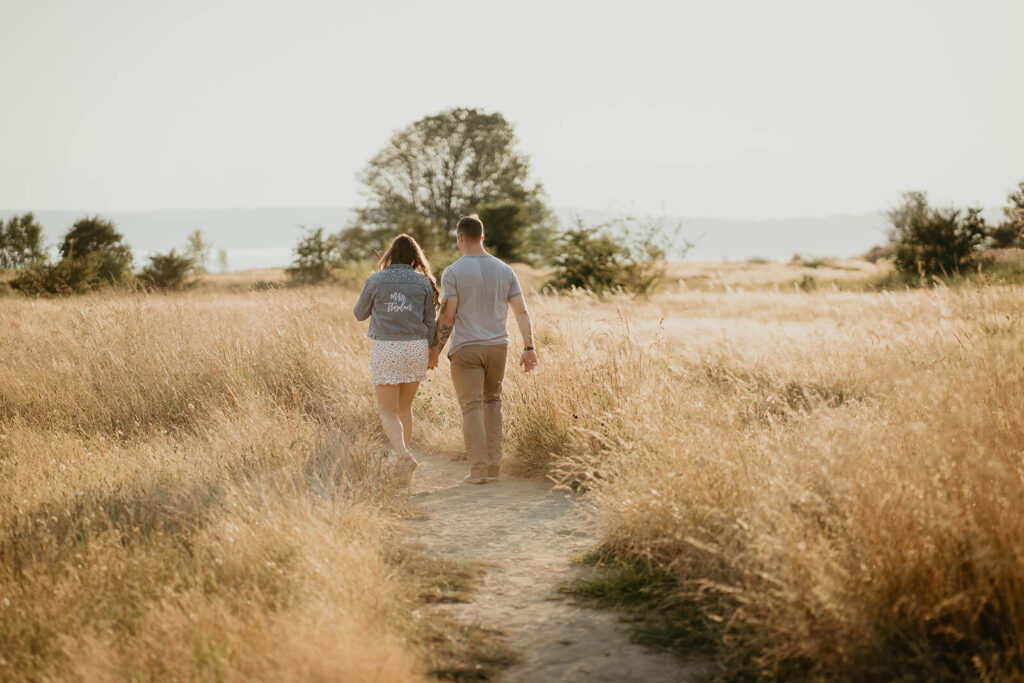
(428,313)
(364,306)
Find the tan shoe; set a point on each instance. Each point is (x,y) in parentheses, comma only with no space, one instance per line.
(470,479)
(493,471)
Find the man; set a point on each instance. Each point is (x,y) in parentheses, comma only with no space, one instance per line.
(478,290)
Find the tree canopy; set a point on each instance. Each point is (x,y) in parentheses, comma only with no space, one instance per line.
(96,239)
(21,242)
(87,235)
(443,167)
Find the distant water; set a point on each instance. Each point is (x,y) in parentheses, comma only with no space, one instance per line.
(264,238)
(257,257)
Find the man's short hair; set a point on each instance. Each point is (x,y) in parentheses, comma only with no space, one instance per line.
(470,226)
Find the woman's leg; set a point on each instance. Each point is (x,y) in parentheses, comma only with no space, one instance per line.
(387,403)
(406,394)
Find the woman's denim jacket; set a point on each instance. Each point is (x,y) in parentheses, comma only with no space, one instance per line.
(401,301)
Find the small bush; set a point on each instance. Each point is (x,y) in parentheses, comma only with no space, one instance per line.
(167,271)
(930,241)
(198,252)
(316,255)
(877,253)
(93,255)
(73,275)
(807,283)
(604,259)
(1010,233)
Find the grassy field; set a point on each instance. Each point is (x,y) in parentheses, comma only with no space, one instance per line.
(833,479)
(826,484)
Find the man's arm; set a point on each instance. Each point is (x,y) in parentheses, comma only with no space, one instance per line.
(445,323)
(529,358)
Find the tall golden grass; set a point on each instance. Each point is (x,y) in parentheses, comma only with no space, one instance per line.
(835,481)
(191,485)
(191,488)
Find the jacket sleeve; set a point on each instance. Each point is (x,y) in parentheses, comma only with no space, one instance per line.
(428,313)
(364,306)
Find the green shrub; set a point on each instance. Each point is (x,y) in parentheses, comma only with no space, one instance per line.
(93,255)
(1010,233)
(67,276)
(880,252)
(198,253)
(621,256)
(1005,236)
(316,255)
(167,271)
(930,241)
(807,283)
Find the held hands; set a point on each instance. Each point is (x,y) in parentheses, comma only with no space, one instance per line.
(528,360)
(435,353)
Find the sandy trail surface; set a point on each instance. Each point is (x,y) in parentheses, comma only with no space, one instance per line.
(528,535)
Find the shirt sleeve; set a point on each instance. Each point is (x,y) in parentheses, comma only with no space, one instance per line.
(448,284)
(514,289)
(364,305)
(428,313)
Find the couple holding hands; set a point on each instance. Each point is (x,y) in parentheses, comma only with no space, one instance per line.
(401,300)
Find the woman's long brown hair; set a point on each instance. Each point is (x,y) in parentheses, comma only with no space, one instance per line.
(405,249)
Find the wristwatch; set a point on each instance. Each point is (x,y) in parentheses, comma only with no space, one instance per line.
(528,348)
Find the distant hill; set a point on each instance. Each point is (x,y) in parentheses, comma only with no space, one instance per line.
(261,238)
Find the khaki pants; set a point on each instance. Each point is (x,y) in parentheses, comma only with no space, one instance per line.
(477,373)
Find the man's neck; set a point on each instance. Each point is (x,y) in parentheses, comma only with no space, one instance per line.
(475,249)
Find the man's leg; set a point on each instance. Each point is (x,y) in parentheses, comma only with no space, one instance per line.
(468,378)
(494,374)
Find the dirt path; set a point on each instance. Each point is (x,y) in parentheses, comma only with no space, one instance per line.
(528,534)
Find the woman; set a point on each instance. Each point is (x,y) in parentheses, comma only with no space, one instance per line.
(401,304)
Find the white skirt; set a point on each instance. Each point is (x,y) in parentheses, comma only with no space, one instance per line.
(399,362)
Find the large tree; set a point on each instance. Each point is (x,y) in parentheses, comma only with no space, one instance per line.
(443,167)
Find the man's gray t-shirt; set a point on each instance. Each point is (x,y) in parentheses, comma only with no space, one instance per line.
(483,285)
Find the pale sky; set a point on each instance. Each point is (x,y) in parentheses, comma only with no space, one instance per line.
(733,109)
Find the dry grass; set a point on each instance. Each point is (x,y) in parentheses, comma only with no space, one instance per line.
(191,488)
(191,485)
(835,480)
(756,274)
